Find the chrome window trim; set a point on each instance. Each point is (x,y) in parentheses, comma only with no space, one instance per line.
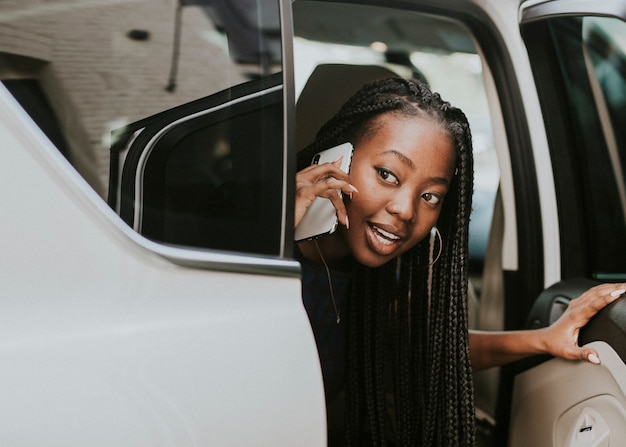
(538,10)
(220,260)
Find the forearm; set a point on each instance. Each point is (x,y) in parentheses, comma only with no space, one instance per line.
(490,349)
(560,339)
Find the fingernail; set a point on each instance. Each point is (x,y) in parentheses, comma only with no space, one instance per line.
(618,292)
(354,188)
(593,359)
(337,159)
(347,222)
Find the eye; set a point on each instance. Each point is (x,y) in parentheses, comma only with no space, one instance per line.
(387,176)
(433,199)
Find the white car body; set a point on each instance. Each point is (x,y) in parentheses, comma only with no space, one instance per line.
(107,338)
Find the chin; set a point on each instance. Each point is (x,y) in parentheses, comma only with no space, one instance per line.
(373,261)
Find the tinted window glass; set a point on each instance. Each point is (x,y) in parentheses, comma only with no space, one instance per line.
(213,178)
(28,92)
(591,54)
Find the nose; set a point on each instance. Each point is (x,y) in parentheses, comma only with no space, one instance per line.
(403,205)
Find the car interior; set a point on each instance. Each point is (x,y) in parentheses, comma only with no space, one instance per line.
(327,88)
(529,410)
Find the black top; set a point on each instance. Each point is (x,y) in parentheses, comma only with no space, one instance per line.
(330,336)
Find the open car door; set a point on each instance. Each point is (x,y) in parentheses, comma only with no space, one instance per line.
(186,326)
(578,55)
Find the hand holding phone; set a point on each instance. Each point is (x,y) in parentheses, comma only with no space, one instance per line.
(320,217)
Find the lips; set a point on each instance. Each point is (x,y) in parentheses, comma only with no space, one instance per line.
(382,241)
(385,236)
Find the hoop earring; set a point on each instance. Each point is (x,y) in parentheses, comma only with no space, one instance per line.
(436,235)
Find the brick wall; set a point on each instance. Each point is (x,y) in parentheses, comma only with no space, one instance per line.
(97,78)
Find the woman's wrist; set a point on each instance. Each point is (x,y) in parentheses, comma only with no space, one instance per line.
(540,341)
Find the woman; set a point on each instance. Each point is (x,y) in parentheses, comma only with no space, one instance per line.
(388,306)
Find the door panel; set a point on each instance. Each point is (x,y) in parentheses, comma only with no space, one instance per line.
(564,403)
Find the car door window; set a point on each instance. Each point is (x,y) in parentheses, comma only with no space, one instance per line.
(206,174)
(585,87)
(179,127)
(603,148)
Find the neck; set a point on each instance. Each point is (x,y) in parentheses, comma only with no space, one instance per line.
(333,248)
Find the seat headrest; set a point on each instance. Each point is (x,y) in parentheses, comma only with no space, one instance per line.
(328,87)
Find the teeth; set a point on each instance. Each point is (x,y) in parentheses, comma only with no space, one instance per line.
(386,234)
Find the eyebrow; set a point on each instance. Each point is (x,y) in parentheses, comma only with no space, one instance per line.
(407,161)
(400,156)
(441,180)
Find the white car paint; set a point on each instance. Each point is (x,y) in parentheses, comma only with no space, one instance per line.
(104,340)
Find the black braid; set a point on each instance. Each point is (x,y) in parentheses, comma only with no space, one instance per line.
(410,323)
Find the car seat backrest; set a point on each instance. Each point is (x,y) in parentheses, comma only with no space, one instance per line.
(328,87)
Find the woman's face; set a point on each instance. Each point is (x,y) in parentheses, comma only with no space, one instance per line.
(403,172)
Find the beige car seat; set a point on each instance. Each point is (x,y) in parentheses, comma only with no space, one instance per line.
(328,87)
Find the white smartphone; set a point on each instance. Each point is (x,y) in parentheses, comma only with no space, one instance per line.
(321,217)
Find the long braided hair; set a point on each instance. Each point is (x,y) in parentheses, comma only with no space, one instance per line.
(407,325)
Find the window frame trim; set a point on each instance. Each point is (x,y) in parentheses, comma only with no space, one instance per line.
(532,11)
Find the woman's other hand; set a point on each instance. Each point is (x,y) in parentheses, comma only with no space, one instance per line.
(489,349)
(561,338)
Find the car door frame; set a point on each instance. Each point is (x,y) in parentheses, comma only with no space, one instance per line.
(575,272)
